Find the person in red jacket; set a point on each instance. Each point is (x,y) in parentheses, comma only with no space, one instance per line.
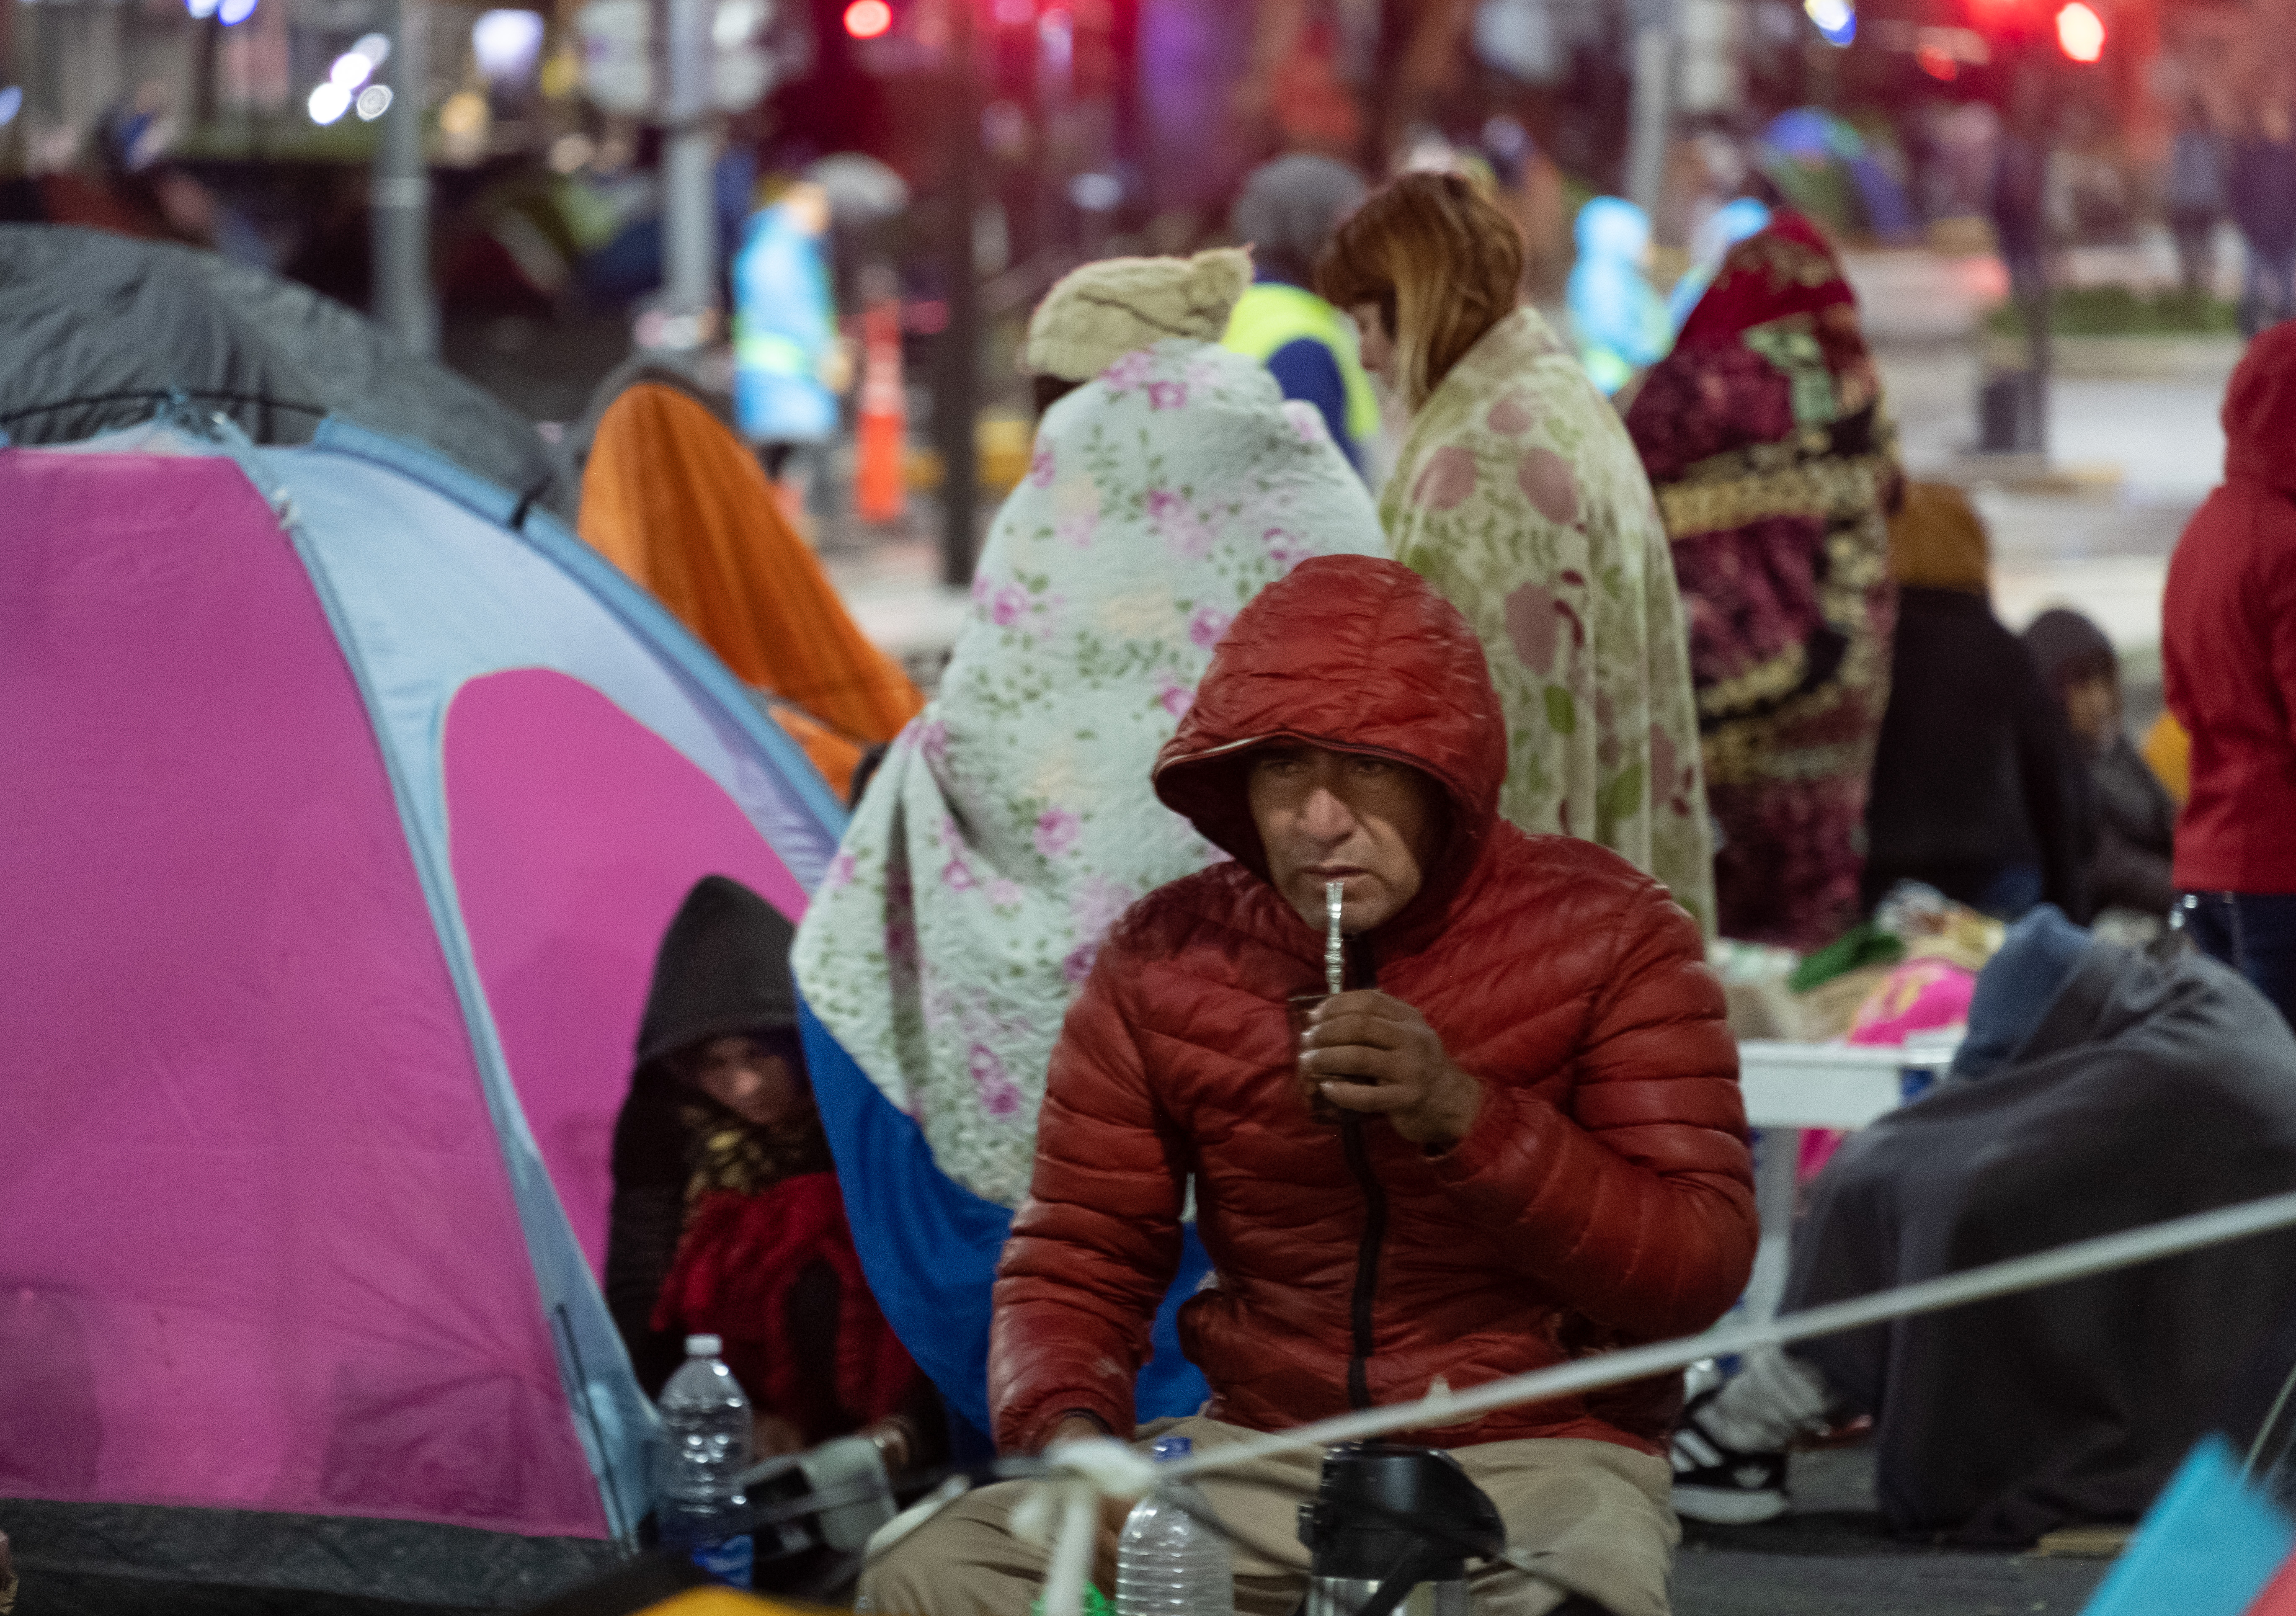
(1516,1140)
(2228,670)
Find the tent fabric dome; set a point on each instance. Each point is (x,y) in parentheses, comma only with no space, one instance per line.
(345,817)
(349,796)
(98,326)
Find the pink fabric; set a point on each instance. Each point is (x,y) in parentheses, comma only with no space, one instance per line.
(259,1249)
(576,833)
(1918,997)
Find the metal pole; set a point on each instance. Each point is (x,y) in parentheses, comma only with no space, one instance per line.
(959,394)
(1653,109)
(2039,339)
(689,206)
(403,303)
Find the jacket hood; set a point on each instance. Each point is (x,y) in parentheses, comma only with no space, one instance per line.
(724,968)
(2066,646)
(2015,990)
(1355,653)
(2260,412)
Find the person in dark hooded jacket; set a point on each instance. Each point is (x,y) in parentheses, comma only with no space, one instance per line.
(2135,821)
(2100,1088)
(726,1218)
(2228,669)
(1515,1140)
(1978,788)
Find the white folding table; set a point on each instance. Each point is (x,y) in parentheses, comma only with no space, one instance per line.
(1789,1086)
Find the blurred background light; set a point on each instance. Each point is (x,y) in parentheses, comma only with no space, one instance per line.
(507,45)
(329,102)
(2081,32)
(1095,192)
(1836,21)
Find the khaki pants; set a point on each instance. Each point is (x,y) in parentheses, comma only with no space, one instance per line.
(1590,1519)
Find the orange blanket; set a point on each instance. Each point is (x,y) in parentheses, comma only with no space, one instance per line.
(672,498)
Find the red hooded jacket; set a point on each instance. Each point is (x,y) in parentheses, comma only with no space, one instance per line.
(2228,641)
(1602,1198)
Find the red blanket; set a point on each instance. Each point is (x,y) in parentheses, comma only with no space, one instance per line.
(735,1268)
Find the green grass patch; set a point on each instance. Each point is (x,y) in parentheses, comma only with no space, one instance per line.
(2117,311)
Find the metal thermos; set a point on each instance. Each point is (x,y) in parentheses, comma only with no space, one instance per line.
(1391,1530)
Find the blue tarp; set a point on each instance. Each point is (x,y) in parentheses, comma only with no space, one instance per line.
(930,1246)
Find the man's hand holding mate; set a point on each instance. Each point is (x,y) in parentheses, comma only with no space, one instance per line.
(1368,1051)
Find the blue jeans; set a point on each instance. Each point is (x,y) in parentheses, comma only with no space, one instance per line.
(2253,932)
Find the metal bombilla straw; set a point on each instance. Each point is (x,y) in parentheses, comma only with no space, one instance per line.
(1335,964)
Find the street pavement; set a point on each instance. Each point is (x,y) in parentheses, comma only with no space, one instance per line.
(1832,1556)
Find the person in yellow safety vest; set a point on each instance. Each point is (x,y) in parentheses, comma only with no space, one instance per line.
(1287,212)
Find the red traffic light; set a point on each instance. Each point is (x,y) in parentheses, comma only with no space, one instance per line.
(2081,32)
(867,19)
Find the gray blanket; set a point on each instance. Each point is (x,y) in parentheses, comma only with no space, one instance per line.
(2150,1088)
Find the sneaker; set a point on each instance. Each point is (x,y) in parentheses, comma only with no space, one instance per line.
(1720,1485)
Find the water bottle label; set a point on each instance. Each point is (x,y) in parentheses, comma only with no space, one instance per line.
(730,1562)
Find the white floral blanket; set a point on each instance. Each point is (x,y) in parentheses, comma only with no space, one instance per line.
(1012,823)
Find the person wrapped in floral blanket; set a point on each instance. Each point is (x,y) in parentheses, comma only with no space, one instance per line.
(1776,468)
(1006,829)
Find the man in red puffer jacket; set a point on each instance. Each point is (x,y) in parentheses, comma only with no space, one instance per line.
(1514,1141)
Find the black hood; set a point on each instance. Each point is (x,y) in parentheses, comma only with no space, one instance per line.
(724,968)
(2066,646)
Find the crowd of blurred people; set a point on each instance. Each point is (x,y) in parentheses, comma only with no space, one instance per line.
(1541,660)
(1715,630)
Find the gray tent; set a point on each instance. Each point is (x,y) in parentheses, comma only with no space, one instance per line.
(96,330)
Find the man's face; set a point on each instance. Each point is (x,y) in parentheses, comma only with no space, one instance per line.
(756,1084)
(1325,816)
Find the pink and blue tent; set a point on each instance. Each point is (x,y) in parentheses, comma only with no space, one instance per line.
(348,799)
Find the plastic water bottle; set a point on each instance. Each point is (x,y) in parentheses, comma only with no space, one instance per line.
(1168,1561)
(706,1421)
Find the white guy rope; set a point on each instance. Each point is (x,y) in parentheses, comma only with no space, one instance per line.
(1077,1461)
(1610,1369)
(2078,1260)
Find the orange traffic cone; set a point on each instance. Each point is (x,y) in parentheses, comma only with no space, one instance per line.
(879,493)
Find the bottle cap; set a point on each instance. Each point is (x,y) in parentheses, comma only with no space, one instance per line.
(704,1346)
(1173,1447)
